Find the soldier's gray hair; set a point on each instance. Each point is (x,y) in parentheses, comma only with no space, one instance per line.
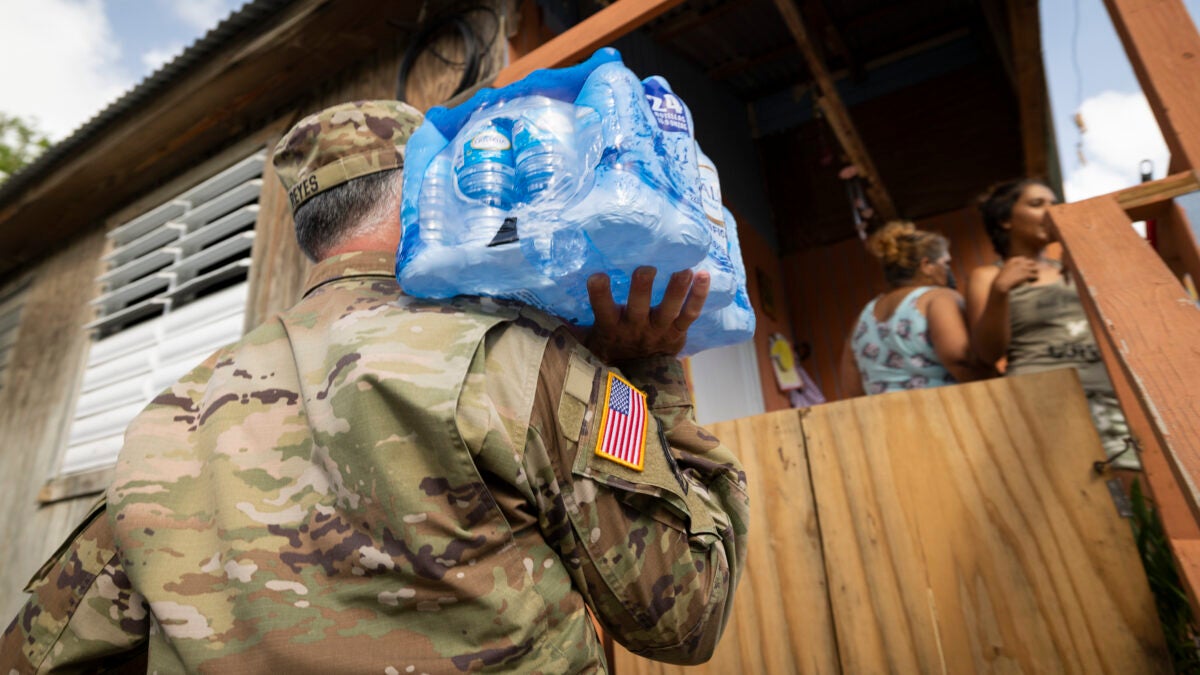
(328,217)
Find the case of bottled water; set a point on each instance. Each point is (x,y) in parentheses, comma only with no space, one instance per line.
(524,192)
(735,322)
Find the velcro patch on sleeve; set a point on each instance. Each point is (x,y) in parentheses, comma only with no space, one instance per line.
(576,395)
(622,437)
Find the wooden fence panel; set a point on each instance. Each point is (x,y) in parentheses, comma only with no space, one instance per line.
(951,530)
(781,621)
(965,532)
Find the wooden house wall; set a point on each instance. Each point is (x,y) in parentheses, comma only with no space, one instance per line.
(37,399)
(765,282)
(35,409)
(827,287)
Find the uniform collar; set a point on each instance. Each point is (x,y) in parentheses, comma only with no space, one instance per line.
(353,264)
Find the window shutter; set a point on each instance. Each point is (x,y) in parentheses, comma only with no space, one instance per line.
(10,321)
(175,290)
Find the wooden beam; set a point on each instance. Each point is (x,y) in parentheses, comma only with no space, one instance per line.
(1146,199)
(1025,27)
(75,485)
(835,112)
(1149,319)
(585,37)
(1177,243)
(1163,45)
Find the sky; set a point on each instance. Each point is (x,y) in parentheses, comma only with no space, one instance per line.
(80,55)
(1087,72)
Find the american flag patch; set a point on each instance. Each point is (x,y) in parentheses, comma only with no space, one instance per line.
(622,424)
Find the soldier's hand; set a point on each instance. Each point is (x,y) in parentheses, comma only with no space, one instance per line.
(635,330)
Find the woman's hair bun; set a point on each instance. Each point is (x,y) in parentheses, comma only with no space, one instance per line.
(895,243)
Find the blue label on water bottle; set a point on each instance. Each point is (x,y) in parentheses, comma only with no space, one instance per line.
(489,145)
(710,195)
(667,107)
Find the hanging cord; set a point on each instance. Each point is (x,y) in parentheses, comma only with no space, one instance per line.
(1079,123)
(474,47)
(1130,444)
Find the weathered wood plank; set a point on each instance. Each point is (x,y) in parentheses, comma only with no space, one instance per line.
(35,408)
(964,532)
(1177,243)
(1145,200)
(781,621)
(1150,320)
(83,484)
(277,267)
(1162,44)
(579,41)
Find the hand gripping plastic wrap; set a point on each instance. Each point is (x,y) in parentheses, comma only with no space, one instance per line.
(524,192)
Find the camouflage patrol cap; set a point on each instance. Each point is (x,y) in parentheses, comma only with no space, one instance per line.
(339,144)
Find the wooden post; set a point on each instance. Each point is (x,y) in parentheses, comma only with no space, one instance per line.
(1149,319)
(1148,199)
(1163,46)
(1177,243)
(579,41)
(1025,27)
(834,109)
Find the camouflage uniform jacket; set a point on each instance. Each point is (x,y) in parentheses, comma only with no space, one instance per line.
(375,483)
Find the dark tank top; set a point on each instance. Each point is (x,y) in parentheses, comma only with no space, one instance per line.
(1050,330)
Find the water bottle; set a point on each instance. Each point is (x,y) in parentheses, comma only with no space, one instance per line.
(674,120)
(550,157)
(543,147)
(717,263)
(435,203)
(485,166)
(631,214)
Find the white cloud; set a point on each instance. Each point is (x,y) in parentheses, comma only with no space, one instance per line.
(61,62)
(1121,132)
(157,58)
(201,15)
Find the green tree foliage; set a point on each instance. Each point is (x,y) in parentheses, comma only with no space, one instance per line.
(20,143)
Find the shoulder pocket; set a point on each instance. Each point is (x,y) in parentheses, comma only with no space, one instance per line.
(623,448)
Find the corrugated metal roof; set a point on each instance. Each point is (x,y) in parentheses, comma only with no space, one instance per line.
(250,15)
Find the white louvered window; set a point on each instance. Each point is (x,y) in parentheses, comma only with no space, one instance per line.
(174,291)
(10,321)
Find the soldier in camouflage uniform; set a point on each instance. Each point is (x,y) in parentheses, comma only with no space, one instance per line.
(375,483)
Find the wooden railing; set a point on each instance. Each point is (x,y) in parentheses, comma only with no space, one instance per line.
(1147,325)
(1148,328)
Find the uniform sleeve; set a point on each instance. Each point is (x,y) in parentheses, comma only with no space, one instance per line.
(656,549)
(82,614)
